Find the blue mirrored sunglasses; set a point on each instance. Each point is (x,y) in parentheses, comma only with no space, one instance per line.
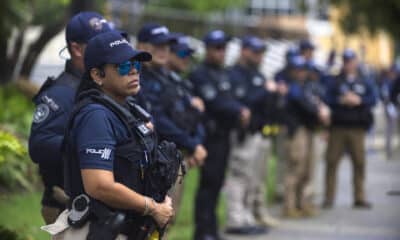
(183,53)
(125,67)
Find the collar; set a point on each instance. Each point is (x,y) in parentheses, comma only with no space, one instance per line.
(71,69)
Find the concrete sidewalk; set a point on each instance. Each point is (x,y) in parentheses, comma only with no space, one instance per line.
(382,222)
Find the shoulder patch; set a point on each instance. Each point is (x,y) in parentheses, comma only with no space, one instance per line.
(257,81)
(41,113)
(50,102)
(209,92)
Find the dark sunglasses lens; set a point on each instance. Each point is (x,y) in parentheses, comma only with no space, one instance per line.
(124,68)
(220,47)
(137,65)
(183,53)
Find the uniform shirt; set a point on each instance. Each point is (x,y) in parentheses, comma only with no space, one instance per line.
(53,106)
(302,106)
(248,85)
(342,115)
(96,132)
(163,95)
(212,84)
(90,144)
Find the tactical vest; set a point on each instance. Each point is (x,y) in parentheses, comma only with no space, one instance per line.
(131,157)
(172,99)
(359,116)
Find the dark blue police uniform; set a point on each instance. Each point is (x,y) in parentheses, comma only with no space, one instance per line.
(174,117)
(211,83)
(104,134)
(347,132)
(53,105)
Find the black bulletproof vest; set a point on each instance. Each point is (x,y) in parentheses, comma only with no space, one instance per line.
(131,157)
(185,117)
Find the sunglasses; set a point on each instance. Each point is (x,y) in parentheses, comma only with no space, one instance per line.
(183,53)
(125,67)
(220,47)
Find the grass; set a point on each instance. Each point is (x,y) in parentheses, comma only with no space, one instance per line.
(21,212)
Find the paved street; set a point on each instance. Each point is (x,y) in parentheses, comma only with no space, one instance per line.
(343,222)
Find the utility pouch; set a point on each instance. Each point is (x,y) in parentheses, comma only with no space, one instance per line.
(106,228)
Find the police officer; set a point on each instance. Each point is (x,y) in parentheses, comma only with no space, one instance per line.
(53,105)
(179,64)
(108,149)
(223,112)
(306,49)
(245,189)
(282,78)
(176,115)
(305,112)
(351,97)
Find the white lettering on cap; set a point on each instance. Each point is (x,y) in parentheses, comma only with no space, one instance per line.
(118,42)
(159,30)
(217,34)
(97,23)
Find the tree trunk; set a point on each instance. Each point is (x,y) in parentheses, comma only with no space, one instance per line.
(6,68)
(36,48)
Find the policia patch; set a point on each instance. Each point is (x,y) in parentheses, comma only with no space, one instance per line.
(41,113)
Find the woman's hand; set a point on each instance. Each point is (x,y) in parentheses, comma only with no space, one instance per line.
(162,212)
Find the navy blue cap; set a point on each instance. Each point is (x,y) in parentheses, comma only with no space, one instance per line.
(348,54)
(254,43)
(297,61)
(291,52)
(111,48)
(85,25)
(155,33)
(216,37)
(306,44)
(181,44)
(312,66)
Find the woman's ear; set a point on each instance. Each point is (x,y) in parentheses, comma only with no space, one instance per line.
(97,75)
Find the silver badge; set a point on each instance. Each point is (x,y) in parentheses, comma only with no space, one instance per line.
(240,92)
(208,92)
(41,113)
(224,86)
(359,89)
(257,81)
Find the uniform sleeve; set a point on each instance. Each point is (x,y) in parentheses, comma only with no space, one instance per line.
(369,99)
(219,103)
(164,125)
(395,91)
(47,129)
(296,96)
(95,140)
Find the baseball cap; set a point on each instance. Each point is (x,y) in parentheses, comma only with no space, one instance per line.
(254,43)
(155,33)
(348,54)
(306,44)
(85,25)
(216,37)
(181,46)
(298,62)
(111,48)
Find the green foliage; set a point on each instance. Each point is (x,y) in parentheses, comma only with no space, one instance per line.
(370,14)
(20,216)
(202,6)
(17,110)
(16,169)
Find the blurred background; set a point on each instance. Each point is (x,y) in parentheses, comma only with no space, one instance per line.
(32,36)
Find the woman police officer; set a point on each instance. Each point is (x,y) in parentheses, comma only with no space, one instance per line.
(104,157)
